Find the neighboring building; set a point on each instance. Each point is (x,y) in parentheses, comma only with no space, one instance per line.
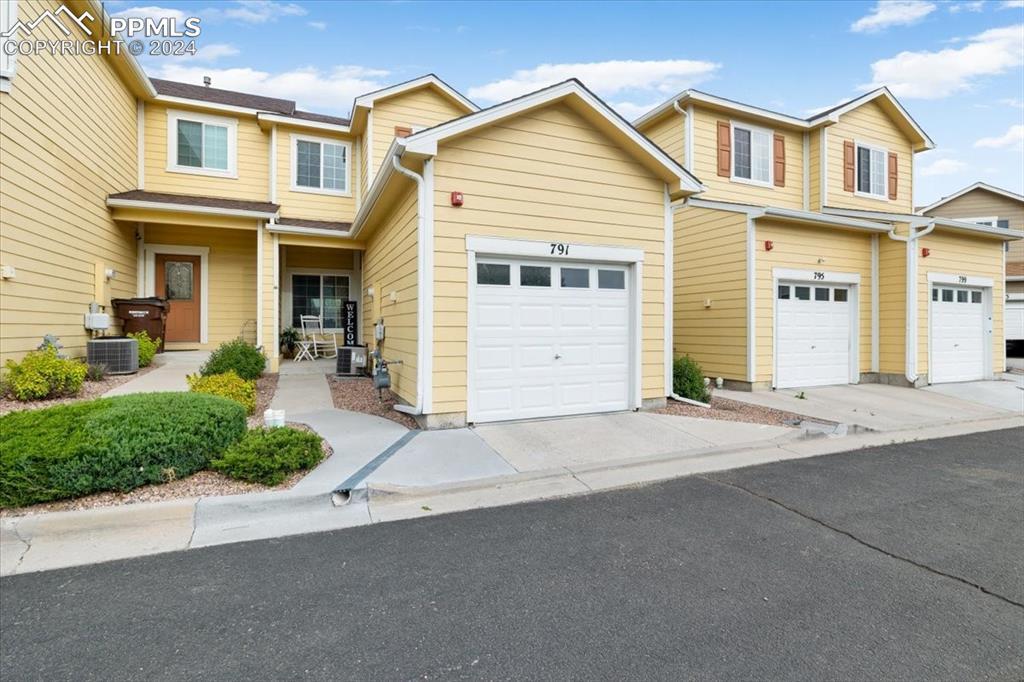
(791,269)
(996,207)
(537,258)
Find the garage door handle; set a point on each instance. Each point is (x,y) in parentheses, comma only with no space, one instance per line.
(557,356)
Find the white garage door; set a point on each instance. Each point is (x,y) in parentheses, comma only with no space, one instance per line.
(957,334)
(1014,314)
(549,339)
(812,335)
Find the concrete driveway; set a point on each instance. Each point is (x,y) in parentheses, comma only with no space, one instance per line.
(874,406)
(1005,394)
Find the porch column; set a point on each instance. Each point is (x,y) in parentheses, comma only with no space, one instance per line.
(269,311)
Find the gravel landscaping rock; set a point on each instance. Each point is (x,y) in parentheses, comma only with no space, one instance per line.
(266,386)
(733,411)
(357,394)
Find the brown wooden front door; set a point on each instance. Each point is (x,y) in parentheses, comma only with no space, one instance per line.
(178,280)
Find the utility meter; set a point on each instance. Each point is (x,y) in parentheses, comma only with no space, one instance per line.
(378,330)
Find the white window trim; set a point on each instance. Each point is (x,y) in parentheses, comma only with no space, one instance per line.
(884,196)
(8,63)
(354,289)
(733,125)
(151,250)
(294,170)
(173,116)
(991,221)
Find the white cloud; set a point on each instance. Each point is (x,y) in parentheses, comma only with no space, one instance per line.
(318,25)
(888,13)
(1013,102)
(153,12)
(1014,137)
(631,110)
(933,75)
(943,167)
(1012,4)
(259,11)
(214,51)
(818,110)
(605,78)
(957,7)
(313,89)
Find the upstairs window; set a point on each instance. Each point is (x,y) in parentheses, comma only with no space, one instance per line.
(752,154)
(201,144)
(872,171)
(1003,223)
(320,165)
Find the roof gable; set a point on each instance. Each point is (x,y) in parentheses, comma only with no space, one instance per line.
(971,188)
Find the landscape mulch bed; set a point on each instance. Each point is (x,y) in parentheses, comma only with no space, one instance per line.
(90,389)
(733,411)
(357,394)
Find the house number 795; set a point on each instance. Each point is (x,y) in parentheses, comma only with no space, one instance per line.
(558,249)
(819,275)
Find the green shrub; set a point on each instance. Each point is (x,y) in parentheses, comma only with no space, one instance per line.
(267,456)
(247,361)
(112,444)
(147,347)
(43,374)
(228,385)
(96,372)
(688,380)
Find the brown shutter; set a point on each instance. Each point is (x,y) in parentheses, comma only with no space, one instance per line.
(402,131)
(849,166)
(893,175)
(724,149)
(780,160)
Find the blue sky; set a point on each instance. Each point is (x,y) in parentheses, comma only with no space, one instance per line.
(957,66)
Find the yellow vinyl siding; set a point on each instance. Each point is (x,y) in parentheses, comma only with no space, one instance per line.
(311,205)
(319,258)
(68,140)
(705,164)
(253,160)
(543,175)
(231,298)
(869,124)
(808,248)
(669,133)
(892,305)
(954,254)
(982,204)
(710,265)
(390,266)
(421,108)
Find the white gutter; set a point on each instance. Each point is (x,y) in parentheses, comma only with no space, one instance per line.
(284,228)
(421,299)
(910,351)
(302,123)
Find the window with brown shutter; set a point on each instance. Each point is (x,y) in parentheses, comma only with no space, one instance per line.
(849,166)
(780,160)
(402,131)
(893,175)
(724,149)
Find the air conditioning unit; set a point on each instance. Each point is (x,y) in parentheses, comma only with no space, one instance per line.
(118,355)
(351,360)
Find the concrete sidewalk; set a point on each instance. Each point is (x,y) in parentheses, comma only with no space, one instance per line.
(172,368)
(61,539)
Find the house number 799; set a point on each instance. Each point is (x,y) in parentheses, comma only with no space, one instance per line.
(558,249)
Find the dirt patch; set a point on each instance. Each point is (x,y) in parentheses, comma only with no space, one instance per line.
(266,386)
(199,484)
(357,394)
(732,411)
(90,390)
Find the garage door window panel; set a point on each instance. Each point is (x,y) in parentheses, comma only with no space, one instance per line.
(784,292)
(840,295)
(534,276)
(611,279)
(575,278)
(802,293)
(497,274)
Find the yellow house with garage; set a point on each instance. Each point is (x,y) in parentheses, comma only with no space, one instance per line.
(510,262)
(803,262)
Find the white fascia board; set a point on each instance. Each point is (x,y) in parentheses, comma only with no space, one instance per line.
(794,215)
(425,142)
(970,188)
(833,115)
(285,228)
(998,232)
(1015,278)
(98,9)
(703,97)
(303,123)
(189,208)
(919,221)
(366,101)
(203,104)
(915,220)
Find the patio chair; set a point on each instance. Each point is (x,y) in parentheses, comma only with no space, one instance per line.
(323,344)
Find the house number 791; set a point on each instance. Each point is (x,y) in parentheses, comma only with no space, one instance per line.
(558,249)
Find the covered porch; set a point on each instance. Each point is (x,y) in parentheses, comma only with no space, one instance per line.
(234,269)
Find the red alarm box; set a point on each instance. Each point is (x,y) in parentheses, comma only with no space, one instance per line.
(457,199)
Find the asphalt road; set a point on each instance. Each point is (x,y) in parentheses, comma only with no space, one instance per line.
(895,563)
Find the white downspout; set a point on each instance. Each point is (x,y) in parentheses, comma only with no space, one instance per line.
(421,301)
(910,352)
